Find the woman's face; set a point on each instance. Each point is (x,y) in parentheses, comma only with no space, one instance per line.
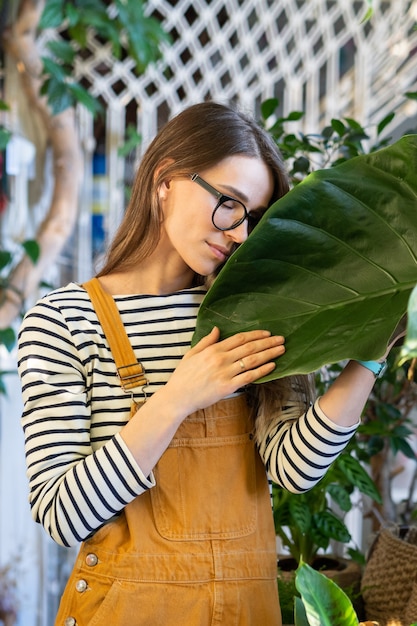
(188,235)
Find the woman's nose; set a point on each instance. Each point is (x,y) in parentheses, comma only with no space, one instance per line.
(240,233)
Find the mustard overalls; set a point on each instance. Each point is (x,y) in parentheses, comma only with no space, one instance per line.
(198,549)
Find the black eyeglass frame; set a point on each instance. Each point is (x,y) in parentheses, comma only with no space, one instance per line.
(221,198)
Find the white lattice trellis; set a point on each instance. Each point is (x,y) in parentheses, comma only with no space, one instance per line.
(245,51)
(316,56)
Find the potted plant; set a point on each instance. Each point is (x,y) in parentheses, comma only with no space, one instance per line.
(322,602)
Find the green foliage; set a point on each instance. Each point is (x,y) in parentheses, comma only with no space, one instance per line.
(7,264)
(5,134)
(133,140)
(341,140)
(306,522)
(287,593)
(124,26)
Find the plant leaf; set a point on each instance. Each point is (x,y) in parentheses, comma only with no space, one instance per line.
(325,603)
(7,338)
(52,15)
(358,476)
(329,526)
(409,349)
(32,249)
(300,616)
(300,514)
(330,266)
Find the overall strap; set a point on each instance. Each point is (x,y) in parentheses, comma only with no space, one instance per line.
(129,370)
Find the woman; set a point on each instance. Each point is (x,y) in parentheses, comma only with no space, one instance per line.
(173,504)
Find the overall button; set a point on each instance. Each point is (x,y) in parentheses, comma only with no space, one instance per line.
(81,585)
(91,559)
(70,621)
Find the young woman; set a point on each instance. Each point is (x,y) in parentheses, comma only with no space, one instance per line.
(172,505)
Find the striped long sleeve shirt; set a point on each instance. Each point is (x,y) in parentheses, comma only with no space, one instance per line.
(81,473)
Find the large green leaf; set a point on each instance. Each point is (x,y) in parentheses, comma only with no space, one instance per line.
(330,266)
(325,603)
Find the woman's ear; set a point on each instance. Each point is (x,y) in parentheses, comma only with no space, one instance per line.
(163,188)
(164,185)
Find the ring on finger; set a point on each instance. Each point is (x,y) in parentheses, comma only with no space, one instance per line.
(242,364)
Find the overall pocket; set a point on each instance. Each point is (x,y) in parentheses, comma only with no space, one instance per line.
(206,489)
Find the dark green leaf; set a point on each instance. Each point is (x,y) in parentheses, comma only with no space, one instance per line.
(54,70)
(4,106)
(300,514)
(358,476)
(294,116)
(82,96)
(317,270)
(59,96)
(7,338)
(5,258)
(412,95)
(327,132)
(63,50)
(340,495)
(383,123)
(302,164)
(356,556)
(401,430)
(72,14)
(52,15)
(399,444)
(144,33)
(268,107)
(5,136)
(331,526)
(325,602)
(32,249)
(354,125)
(375,445)
(300,615)
(338,127)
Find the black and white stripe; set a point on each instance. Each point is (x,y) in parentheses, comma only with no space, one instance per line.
(80,471)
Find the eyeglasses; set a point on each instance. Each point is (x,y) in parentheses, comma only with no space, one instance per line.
(228,213)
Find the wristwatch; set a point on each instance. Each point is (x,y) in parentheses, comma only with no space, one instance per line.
(378,368)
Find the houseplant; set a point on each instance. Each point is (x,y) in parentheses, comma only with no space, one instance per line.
(322,602)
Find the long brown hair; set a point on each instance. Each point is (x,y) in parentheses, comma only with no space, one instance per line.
(195,140)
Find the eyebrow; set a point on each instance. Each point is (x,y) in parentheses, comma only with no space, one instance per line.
(236,192)
(244,198)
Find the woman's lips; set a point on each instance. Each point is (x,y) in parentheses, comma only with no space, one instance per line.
(219,252)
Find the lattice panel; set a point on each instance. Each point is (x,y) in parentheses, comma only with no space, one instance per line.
(315,55)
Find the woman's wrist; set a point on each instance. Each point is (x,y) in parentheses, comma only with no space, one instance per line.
(378,368)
